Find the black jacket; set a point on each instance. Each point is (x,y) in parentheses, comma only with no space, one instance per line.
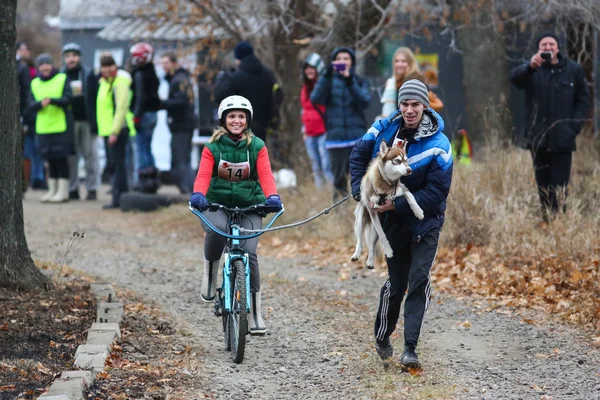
(255,82)
(180,104)
(145,90)
(24,79)
(83,105)
(556,103)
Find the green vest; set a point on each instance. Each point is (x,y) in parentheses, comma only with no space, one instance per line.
(232,193)
(52,118)
(105,108)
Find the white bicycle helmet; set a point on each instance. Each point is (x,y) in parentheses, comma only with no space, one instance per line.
(234,103)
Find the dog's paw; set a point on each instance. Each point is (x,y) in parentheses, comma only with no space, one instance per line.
(369,266)
(419,214)
(389,253)
(354,258)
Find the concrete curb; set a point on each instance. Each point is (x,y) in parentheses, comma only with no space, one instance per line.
(91,357)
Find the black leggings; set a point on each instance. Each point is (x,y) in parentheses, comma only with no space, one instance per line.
(58,168)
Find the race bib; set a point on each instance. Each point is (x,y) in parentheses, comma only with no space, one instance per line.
(234,171)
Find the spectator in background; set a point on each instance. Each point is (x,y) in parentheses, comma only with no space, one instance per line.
(83,87)
(313,122)
(405,67)
(24,81)
(112,108)
(253,81)
(181,120)
(34,165)
(24,57)
(50,98)
(557,106)
(345,95)
(145,104)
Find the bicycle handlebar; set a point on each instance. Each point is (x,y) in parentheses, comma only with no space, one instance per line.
(259,208)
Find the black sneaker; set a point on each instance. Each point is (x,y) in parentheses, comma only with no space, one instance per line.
(91,195)
(384,348)
(73,195)
(410,359)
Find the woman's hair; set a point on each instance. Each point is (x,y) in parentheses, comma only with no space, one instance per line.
(309,83)
(413,65)
(107,60)
(220,131)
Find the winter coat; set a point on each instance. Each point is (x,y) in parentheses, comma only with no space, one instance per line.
(83,104)
(145,90)
(24,81)
(312,116)
(53,144)
(180,104)
(345,101)
(430,158)
(255,82)
(556,103)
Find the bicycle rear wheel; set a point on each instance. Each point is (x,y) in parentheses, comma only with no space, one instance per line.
(238,318)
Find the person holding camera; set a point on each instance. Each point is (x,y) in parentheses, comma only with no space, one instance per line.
(345,96)
(556,107)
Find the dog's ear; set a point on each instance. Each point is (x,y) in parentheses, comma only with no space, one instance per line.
(383,148)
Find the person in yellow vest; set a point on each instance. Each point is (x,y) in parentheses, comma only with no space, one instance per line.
(49,99)
(112,108)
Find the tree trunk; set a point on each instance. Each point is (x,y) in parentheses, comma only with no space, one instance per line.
(17,269)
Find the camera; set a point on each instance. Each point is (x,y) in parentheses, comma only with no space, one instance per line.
(546,56)
(339,67)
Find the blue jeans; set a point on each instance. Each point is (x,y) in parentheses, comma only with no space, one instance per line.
(145,129)
(37,164)
(319,157)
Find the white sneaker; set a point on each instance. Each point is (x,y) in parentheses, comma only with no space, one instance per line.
(208,290)
(255,321)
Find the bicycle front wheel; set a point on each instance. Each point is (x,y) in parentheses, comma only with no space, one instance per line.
(238,318)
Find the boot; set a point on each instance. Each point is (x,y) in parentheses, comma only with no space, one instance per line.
(409,358)
(62,192)
(52,188)
(255,321)
(208,289)
(384,349)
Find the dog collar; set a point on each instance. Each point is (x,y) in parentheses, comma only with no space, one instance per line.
(385,179)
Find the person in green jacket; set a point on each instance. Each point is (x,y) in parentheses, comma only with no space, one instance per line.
(112,109)
(49,100)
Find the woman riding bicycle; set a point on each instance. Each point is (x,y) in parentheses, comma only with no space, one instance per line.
(234,171)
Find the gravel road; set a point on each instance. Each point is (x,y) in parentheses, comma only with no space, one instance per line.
(319,341)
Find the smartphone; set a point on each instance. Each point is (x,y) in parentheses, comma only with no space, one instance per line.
(546,56)
(339,67)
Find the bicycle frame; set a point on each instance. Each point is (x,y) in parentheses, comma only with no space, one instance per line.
(233,249)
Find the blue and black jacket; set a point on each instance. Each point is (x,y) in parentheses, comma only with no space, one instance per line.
(345,101)
(429,156)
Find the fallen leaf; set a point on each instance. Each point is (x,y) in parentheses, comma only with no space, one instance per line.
(7,387)
(537,388)
(4,327)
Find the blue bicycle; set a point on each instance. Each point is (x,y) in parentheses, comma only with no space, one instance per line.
(233,297)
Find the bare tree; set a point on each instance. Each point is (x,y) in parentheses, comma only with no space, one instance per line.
(17,269)
(283,32)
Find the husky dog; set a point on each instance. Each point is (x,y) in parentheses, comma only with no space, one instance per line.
(381,184)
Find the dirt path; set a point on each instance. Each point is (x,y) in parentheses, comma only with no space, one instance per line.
(319,342)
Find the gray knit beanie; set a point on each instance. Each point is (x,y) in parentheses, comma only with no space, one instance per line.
(414,90)
(43,58)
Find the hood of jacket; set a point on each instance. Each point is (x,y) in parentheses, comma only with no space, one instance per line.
(430,124)
(251,64)
(348,50)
